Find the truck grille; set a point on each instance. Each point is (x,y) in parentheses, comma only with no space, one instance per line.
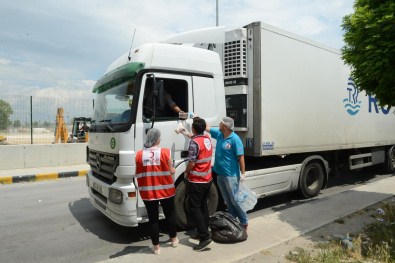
(103,165)
(235,58)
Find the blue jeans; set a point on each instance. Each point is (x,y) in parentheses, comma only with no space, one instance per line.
(229,185)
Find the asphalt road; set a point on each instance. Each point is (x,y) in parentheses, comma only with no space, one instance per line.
(53,221)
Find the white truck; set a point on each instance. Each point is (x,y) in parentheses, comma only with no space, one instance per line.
(299,114)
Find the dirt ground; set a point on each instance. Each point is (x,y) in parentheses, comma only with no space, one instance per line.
(20,138)
(351,224)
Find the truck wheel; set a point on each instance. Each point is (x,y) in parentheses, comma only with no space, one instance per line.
(390,161)
(311,180)
(183,217)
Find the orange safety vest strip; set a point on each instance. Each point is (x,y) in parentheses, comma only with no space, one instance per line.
(153,174)
(201,171)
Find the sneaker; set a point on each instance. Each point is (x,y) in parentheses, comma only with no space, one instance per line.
(245,227)
(196,236)
(155,251)
(174,242)
(203,245)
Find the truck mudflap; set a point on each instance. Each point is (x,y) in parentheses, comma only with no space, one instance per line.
(124,214)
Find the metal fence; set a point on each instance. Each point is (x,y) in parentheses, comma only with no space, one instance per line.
(32,120)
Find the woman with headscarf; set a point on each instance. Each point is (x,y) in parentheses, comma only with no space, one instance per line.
(154,170)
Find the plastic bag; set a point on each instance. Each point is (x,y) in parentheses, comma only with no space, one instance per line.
(226,229)
(245,197)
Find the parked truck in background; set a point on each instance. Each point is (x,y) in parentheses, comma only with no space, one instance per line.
(299,114)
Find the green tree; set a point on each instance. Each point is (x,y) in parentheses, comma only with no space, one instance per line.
(47,124)
(5,112)
(370,48)
(17,124)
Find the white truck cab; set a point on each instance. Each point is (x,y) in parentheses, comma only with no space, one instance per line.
(129,98)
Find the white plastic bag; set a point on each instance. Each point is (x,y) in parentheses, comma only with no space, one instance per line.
(245,197)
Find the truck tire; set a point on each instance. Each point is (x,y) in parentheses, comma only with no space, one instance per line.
(311,180)
(183,217)
(390,161)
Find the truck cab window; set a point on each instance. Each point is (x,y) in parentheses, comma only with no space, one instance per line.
(113,108)
(173,100)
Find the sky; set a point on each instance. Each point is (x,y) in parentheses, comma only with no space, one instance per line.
(60,48)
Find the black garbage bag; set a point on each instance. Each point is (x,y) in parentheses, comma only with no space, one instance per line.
(226,229)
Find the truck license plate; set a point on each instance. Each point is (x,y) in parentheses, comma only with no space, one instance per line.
(97,187)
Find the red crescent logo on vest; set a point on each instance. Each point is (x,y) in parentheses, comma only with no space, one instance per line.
(207,143)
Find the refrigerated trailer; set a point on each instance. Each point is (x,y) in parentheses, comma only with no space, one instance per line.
(298,112)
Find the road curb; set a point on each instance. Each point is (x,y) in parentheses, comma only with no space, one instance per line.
(41,177)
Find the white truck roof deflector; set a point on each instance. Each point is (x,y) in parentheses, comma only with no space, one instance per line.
(205,35)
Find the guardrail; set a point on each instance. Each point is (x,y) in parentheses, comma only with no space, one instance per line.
(41,155)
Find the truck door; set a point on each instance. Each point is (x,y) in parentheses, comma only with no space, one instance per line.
(177,89)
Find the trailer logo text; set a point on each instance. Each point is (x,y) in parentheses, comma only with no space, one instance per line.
(353,105)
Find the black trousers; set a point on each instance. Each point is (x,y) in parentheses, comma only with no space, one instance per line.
(153,216)
(197,196)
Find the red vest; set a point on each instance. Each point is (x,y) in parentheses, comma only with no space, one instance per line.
(153,174)
(201,172)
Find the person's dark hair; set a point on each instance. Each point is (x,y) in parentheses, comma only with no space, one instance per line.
(199,125)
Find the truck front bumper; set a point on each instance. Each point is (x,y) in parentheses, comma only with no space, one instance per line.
(124,214)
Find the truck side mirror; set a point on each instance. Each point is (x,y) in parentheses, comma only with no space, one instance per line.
(159,93)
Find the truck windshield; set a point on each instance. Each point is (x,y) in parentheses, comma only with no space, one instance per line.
(113,108)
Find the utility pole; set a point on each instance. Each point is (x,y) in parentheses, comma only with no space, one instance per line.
(217,14)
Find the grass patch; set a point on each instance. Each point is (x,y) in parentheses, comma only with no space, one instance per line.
(375,243)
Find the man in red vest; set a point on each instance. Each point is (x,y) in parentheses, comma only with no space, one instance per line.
(198,174)
(154,170)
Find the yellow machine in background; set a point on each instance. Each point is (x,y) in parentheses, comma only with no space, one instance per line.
(80,130)
(60,129)
(2,139)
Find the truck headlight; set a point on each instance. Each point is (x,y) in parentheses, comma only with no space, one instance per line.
(115,196)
